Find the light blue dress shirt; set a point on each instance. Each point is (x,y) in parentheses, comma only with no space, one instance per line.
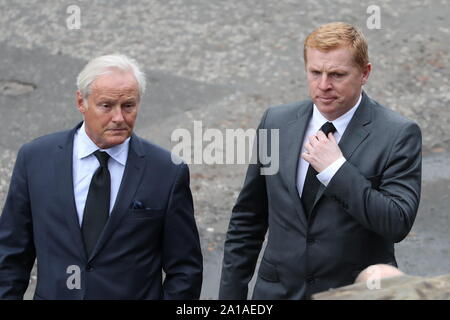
(85,164)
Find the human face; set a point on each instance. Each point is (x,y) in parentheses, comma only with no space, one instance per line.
(111,108)
(335,81)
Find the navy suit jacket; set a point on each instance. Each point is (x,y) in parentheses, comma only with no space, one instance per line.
(39,221)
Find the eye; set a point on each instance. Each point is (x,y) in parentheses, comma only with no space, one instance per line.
(315,73)
(337,75)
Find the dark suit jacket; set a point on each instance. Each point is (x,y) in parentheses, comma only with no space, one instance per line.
(370,203)
(40,220)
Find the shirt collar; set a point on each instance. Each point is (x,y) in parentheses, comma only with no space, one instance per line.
(86,147)
(340,123)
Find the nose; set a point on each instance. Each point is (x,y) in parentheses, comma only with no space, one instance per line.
(324,83)
(117,115)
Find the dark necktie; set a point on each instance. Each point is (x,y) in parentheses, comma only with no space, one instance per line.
(312,184)
(96,210)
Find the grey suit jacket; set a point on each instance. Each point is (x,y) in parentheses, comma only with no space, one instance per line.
(370,203)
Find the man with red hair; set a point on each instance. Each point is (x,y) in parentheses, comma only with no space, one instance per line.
(347,189)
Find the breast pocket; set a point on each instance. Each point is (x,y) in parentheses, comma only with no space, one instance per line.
(146,214)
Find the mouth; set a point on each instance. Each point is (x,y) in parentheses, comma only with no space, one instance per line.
(117,131)
(327,100)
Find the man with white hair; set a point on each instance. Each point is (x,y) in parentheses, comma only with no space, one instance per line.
(103,211)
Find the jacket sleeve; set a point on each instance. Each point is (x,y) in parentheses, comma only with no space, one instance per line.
(182,257)
(389,209)
(246,232)
(17,252)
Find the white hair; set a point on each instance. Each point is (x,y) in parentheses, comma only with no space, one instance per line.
(104,65)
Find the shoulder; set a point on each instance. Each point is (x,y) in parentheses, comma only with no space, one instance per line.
(389,120)
(45,144)
(281,114)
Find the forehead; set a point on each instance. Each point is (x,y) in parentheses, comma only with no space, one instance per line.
(115,83)
(341,57)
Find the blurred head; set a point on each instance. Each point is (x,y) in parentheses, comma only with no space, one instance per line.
(337,66)
(377,272)
(109,92)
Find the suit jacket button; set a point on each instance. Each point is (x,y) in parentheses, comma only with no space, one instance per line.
(310,240)
(89,268)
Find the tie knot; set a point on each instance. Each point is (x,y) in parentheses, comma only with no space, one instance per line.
(327,128)
(102,157)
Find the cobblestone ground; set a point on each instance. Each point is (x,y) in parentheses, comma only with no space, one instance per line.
(223,63)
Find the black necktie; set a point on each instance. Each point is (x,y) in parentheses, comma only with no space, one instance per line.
(96,210)
(312,184)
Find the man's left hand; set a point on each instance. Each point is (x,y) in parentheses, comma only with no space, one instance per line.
(322,151)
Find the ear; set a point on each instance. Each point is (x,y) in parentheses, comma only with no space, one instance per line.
(81,103)
(366,73)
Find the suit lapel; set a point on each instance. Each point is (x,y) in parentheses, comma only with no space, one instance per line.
(64,172)
(291,141)
(354,135)
(131,179)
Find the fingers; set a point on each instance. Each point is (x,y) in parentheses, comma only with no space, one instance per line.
(306,156)
(321,150)
(308,146)
(321,136)
(316,140)
(313,140)
(332,138)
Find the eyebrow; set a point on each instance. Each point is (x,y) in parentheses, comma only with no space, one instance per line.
(332,70)
(109,98)
(104,98)
(131,101)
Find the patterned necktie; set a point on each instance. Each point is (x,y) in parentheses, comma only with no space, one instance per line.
(96,210)
(312,184)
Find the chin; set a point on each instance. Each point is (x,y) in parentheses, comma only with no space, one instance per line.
(327,108)
(328,111)
(114,141)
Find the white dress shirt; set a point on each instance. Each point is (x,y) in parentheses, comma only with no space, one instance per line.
(316,122)
(85,164)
